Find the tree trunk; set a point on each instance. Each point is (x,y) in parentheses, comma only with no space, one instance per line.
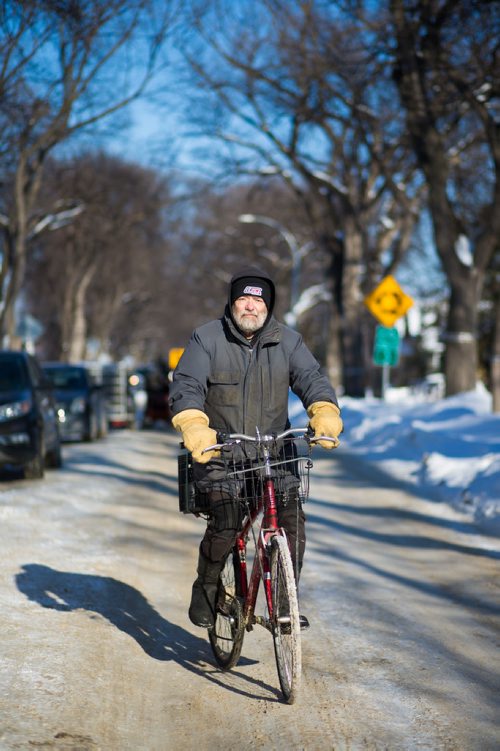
(352,335)
(25,191)
(495,356)
(78,339)
(418,64)
(10,292)
(466,284)
(334,350)
(461,360)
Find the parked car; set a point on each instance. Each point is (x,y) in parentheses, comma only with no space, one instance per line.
(120,400)
(81,403)
(29,428)
(156,386)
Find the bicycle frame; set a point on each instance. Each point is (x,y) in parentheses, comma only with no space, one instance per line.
(260,568)
(249,588)
(237,593)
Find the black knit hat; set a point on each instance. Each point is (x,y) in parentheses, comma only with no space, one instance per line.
(251,285)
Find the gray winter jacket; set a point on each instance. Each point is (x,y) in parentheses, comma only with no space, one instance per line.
(242,385)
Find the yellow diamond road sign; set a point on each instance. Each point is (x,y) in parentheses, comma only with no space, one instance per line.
(388,302)
(174,355)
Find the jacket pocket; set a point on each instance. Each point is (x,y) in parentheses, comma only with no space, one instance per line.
(224,388)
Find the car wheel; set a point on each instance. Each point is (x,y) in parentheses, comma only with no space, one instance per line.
(103,427)
(91,430)
(35,468)
(54,457)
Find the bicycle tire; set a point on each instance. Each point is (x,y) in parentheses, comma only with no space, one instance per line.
(226,635)
(285,623)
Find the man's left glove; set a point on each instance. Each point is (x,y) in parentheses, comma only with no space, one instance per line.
(324,419)
(193,424)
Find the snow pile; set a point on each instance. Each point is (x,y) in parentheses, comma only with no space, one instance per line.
(449,448)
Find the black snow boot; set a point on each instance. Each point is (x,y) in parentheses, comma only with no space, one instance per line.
(204,594)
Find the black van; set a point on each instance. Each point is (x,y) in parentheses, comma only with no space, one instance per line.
(29,430)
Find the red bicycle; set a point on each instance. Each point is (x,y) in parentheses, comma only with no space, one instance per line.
(279,465)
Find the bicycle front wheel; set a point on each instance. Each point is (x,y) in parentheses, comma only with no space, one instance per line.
(226,636)
(286,624)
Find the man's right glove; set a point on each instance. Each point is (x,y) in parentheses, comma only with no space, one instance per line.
(193,424)
(324,419)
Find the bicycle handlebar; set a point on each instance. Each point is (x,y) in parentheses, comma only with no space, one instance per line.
(235,438)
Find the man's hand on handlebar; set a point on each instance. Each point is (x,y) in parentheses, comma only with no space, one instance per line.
(196,433)
(233,440)
(321,440)
(326,423)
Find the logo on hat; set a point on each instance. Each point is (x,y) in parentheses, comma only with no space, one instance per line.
(252,291)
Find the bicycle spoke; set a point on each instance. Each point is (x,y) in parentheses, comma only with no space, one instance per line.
(226,636)
(286,626)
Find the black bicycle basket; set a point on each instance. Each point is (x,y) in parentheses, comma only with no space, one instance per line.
(290,468)
(191,501)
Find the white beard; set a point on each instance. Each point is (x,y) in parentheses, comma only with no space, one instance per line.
(249,324)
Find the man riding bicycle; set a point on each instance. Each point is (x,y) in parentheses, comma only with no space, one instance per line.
(234,377)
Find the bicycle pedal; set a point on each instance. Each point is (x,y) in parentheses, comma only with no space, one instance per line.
(285,623)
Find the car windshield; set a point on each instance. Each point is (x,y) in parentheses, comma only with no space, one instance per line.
(66,378)
(12,374)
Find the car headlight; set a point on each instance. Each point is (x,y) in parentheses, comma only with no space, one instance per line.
(78,405)
(14,409)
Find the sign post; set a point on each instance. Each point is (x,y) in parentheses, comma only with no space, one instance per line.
(386,352)
(387,302)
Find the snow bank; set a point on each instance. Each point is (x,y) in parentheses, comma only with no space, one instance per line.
(449,448)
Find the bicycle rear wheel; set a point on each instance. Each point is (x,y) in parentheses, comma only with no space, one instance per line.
(226,636)
(286,625)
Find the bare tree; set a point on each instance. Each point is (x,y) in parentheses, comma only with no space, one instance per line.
(97,276)
(65,68)
(208,245)
(300,93)
(495,350)
(489,331)
(447,69)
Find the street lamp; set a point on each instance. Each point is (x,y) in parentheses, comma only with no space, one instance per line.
(296,252)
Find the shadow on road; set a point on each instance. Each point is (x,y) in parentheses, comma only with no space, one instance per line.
(364,471)
(93,464)
(127,609)
(397,538)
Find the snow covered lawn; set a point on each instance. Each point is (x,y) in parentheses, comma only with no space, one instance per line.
(450,447)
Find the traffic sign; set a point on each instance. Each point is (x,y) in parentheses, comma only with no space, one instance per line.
(388,302)
(174,355)
(386,346)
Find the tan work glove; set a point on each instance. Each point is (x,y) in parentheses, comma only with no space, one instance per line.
(324,419)
(193,424)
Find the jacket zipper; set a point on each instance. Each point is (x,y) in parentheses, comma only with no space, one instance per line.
(245,395)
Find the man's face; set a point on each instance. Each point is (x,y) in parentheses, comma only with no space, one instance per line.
(249,313)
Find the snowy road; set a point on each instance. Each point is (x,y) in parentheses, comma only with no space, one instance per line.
(97,651)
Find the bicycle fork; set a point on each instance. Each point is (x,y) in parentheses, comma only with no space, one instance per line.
(261,564)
